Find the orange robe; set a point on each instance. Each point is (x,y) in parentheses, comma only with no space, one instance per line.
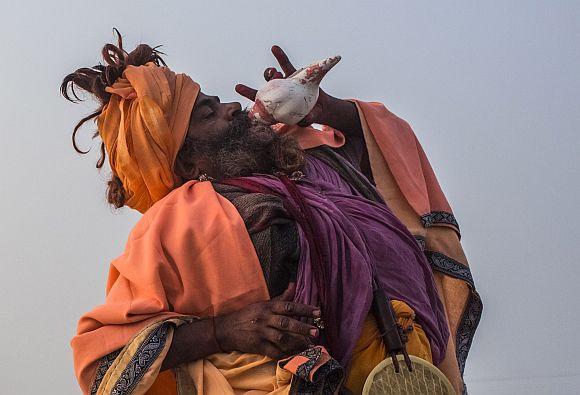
(190,255)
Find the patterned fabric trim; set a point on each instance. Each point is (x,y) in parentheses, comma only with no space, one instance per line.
(473,307)
(104,365)
(310,378)
(333,375)
(146,354)
(467,326)
(439,217)
(304,370)
(421,241)
(451,267)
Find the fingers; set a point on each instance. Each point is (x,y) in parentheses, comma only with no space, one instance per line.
(283,60)
(272,74)
(246,91)
(294,309)
(284,341)
(269,74)
(270,350)
(291,325)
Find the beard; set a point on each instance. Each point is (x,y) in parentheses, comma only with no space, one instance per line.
(248,147)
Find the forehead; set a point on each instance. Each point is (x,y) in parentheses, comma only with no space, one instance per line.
(202,100)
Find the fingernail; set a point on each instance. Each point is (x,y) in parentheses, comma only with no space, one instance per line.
(316,313)
(313,332)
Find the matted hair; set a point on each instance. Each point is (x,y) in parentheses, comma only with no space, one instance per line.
(94,80)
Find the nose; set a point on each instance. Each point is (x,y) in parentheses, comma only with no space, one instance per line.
(232,109)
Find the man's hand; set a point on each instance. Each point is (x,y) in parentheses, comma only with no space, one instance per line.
(328,110)
(317,115)
(268,328)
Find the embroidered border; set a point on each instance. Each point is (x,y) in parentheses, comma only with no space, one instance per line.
(104,365)
(325,380)
(439,217)
(304,369)
(451,267)
(146,354)
(421,241)
(467,326)
(473,307)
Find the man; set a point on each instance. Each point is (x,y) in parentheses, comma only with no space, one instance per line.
(253,267)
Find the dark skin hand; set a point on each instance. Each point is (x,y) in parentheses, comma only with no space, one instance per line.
(336,113)
(269,328)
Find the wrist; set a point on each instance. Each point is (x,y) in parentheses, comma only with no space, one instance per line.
(200,336)
(335,110)
(220,333)
(190,342)
(342,115)
(217,344)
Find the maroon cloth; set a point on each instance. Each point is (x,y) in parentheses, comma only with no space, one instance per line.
(356,239)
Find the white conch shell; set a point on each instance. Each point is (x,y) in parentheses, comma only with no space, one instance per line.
(289,100)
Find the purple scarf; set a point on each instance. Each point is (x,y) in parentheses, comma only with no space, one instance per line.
(345,241)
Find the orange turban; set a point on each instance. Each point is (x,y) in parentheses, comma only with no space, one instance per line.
(143,126)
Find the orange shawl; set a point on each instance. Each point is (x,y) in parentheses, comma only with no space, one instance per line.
(189,255)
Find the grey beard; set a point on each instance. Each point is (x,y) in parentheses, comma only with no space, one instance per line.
(247,148)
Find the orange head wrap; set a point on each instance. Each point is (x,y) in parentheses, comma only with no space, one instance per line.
(143,126)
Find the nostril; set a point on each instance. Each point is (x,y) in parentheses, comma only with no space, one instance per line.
(235,109)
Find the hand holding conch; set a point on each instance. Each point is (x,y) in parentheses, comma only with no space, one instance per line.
(292,98)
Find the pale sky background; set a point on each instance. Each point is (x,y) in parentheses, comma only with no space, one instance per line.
(491,88)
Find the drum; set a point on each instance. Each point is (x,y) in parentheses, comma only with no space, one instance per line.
(425,379)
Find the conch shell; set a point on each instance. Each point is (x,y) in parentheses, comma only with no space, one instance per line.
(290,99)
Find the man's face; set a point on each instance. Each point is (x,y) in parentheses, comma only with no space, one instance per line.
(223,142)
(210,118)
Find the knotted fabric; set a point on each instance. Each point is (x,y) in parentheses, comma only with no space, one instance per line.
(143,126)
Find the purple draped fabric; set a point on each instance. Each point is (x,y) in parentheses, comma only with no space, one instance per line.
(359,239)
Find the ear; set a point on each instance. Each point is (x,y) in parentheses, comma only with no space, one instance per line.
(185,172)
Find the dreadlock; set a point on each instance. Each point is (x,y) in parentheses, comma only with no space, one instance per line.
(94,80)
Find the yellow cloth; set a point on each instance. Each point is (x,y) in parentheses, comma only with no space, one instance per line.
(143,126)
(370,350)
(236,374)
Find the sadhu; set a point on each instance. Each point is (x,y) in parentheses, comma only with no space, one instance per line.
(254,266)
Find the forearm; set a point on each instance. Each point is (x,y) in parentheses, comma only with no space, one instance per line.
(341,115)
(269,328)
(191,341)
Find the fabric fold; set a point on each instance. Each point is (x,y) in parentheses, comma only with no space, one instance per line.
(192,240)
(143,126)
(167,269)
(407,183)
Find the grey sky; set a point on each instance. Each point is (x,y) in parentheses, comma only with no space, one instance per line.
(491,89)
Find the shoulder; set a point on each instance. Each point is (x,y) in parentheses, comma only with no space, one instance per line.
(194,199)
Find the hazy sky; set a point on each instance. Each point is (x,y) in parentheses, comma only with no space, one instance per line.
(491,88)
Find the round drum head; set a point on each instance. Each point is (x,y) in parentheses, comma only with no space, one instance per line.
(424,379)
